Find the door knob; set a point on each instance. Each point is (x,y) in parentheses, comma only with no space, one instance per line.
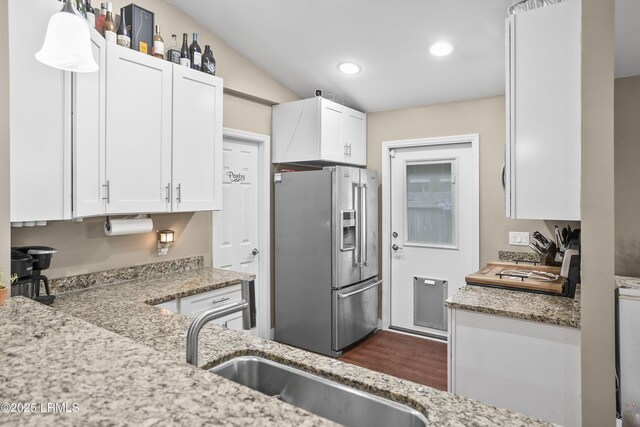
(396,247)
(255,251)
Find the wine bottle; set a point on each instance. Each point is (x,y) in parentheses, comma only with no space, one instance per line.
(208,61)
(195,53)
(91,14)
(173,54)
(158,44)
(185,58)
(100,19)
(124,39)
(109,27)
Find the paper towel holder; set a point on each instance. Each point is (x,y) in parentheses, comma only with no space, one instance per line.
(165,239)
(108,225)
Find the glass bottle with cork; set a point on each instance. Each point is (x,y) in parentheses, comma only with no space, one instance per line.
(109,27)
(195,53)
(158,44)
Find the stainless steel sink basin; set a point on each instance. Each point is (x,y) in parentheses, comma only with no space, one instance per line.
(320,396)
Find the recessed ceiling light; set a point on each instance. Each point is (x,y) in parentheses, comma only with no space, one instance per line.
(441,49)
(349,68)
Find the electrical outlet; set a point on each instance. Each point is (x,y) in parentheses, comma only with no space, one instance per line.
(519,238)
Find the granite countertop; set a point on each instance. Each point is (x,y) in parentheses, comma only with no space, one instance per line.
(541,308)
(140,361)
(628,282)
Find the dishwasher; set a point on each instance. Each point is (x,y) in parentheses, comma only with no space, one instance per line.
(628,348)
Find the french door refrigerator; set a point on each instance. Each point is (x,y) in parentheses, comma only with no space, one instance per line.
(326,257)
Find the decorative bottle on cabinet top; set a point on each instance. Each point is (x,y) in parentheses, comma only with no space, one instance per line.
(208,61)
(158,44)
(195,53)
(185,58)
(124,38)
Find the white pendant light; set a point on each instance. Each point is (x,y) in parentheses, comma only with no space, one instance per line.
(67,44)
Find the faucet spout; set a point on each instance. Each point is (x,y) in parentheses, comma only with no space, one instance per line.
(246,305)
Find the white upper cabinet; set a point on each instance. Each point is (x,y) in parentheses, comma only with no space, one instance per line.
(89,135)
(138,136)
(317,130)
(92,144)
(40,119)
(544,113)
(197,140)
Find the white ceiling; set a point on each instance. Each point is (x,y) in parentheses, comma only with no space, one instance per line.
(301,42)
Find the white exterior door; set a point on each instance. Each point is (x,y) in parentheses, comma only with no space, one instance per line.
(432,229)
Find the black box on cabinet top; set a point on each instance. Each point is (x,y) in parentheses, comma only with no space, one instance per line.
(140,26)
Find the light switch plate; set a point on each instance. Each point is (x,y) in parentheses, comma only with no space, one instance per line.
(519,238)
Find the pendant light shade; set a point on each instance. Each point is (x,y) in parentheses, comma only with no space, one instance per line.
(67,44)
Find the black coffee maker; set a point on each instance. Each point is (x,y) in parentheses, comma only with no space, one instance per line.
(27,263)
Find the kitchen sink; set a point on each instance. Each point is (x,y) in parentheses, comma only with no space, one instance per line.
(326,398)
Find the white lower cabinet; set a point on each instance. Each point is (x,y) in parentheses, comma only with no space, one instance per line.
(528,367)
(195,305)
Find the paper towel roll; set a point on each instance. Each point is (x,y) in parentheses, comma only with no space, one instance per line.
(118,227)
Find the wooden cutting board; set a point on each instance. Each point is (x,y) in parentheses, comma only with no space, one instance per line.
(488,276)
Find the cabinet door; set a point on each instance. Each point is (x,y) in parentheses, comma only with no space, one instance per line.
(332,142)
(40,119)
(138,143)
(356,137)
(89,135)
(543,152)
(197,140)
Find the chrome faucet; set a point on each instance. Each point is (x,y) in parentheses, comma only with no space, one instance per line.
(247,305)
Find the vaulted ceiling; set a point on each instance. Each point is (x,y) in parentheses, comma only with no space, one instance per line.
(301,43)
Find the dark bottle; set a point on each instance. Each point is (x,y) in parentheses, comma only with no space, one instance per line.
(195,53)
(208,61)
(185,58)
(124,39)
(173,54)
(91,14)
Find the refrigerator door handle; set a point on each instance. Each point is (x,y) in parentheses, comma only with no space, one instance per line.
(363,228)
(359,291)
(357,205)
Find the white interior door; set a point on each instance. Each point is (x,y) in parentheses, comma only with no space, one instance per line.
(432,229)
(236,227)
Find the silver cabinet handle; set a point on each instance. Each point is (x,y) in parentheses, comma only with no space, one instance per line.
(349,150)
(345,149)
(179,193)
(255,251)
(218,301)
(107,191)
(168,196)
(359,291)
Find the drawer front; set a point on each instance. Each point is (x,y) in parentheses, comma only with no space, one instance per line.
(355,313)
(195,305)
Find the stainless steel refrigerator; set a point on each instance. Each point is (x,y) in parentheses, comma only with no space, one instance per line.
(326,257)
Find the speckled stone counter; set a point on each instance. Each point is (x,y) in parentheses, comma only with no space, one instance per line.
(124,309)
(519,305)
(48,356)
(628,282)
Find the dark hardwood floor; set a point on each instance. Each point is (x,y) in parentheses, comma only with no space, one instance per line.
(415,359)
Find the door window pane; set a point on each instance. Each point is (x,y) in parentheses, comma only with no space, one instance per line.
(430,210)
